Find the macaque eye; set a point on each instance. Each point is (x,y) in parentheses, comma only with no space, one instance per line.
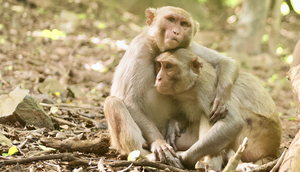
(171,19)
(158,64)
(184,24)
(169,65)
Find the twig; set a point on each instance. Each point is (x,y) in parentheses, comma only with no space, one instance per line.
(41,152)
(69,106)
(70,157)
(127,169)
(57,166)
(23,143)
(144,162)
(266,167)
(63,121)
(234,161)
(2,80)
(275,168)
(86,118)
(101,165)
(63,156)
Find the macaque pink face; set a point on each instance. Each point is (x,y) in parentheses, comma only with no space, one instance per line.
(165,79)
(178,28)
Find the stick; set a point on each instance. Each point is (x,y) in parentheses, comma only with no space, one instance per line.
(275,168)
(234,161)
(71,157)
(144,162)
(63,121)
(63,156)
(69,106)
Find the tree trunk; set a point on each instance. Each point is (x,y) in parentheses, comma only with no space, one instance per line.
(292,158)
(250,27)
(275,27)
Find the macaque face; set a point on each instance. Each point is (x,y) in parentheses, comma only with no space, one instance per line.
(166,76)
(171,27)
(177,29)
(177,71)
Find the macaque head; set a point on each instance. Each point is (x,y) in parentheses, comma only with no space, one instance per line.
(177,71)
(171,27)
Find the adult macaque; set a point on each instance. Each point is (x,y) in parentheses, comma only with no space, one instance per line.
(135,111)
(296,62)
(251,112)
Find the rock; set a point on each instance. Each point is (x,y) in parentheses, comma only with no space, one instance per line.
(19,106)
(4,140)
(30,111)
(51,86)
(76,91)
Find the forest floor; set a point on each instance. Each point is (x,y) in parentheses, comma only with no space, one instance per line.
(83,60)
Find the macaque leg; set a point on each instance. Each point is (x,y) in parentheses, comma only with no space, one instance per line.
(214,161)
(219,136)
(125,135)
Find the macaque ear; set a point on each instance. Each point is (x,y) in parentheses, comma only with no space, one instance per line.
(196,27)
(196,65)
(150,14)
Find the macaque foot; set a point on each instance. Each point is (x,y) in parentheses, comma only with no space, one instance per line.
(201,166)
(170,160)
(122,157)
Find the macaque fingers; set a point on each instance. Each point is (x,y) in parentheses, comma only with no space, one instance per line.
(177,132)
(173,160)
(171,141)
(218,111)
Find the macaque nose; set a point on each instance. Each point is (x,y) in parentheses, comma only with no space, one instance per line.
(176,31)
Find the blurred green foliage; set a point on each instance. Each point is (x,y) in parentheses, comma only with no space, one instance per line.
(231,3)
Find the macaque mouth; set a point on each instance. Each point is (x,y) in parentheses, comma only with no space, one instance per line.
(173,39)
(162,88)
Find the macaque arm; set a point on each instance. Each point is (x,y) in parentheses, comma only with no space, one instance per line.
(222,133)
(228,72)
(150,132)
(173,131)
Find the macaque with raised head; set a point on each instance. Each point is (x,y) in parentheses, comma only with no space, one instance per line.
(251,113)
(135,111)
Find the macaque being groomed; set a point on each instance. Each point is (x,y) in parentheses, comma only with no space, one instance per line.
(136,113)
(251,113)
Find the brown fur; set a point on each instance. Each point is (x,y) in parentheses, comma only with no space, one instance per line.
(251,113)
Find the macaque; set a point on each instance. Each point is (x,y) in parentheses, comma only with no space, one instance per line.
(191,81)
(136,113)
(296,62)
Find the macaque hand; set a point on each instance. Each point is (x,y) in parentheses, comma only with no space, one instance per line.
(165,153)
(172,133)
(220,104)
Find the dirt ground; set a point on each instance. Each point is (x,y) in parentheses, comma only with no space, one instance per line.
(31,53)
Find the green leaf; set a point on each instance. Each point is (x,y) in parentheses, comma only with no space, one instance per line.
(4,154)
(291,119)
(13,150)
